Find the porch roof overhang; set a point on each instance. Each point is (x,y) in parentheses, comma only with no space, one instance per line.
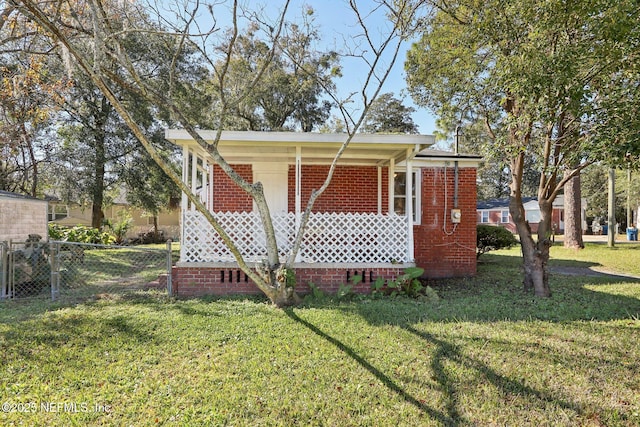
(431,157)
(316,148)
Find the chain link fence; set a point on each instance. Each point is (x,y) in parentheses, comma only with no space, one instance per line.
(80,271)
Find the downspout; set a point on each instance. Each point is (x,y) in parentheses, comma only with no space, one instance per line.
(455,213)
(455,182)
(455,185)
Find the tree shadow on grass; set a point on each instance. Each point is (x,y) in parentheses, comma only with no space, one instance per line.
(492,298)
(384,379)
(446,352)
(443,353)
(78,330)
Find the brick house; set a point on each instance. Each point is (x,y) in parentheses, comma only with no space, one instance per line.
(392,203)
(496,212)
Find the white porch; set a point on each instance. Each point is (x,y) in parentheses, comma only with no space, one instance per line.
(381,237)
(329,238)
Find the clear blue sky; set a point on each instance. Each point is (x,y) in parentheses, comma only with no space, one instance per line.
(337,22)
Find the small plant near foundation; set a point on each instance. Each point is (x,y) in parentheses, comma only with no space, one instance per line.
(316,294)
(346,291)
(407,284)
(120,226)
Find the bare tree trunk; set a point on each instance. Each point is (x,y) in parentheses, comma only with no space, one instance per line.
(99,165)
(156,233)
(535,255)
(629,211)
(97,189)
(26,140)
(573,214)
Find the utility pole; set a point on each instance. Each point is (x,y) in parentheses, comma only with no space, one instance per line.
(629,211)
(611,236)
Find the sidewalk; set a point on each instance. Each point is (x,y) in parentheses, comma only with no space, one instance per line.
(598,238)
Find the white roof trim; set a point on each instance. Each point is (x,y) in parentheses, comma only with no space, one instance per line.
(293,138)
(319,148)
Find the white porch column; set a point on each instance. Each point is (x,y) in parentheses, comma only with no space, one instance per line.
(379,190)
(184,204)
(194,176)
(392,171)
(298,178)
(185,174)
(210,205)
(409,205)
(298,192)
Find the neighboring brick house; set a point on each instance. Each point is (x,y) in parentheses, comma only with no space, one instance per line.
(21,216)
(358,225)
(496,212)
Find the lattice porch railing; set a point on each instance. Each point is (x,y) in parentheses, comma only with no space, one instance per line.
(329,237)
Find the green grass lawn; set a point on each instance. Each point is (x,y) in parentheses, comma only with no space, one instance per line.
(483,354)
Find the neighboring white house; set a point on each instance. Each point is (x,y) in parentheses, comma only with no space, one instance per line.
(22,215)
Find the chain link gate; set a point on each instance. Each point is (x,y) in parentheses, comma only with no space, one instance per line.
(80,271)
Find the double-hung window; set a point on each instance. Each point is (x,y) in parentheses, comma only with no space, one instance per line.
(400,195)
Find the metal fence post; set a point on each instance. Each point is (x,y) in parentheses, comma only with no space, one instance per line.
(4,268)
(169,269)
(10,271)
(55,267)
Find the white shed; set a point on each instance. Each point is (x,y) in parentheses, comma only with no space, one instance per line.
(22,215)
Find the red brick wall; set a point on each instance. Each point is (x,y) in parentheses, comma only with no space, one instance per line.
(441,249)
(352,189)
(198,281)
(227,196)
(495,218)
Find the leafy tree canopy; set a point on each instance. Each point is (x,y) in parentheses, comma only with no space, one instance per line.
(548,81)
(389,115)
(294,78)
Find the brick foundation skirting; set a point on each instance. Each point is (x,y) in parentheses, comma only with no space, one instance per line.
(199,281)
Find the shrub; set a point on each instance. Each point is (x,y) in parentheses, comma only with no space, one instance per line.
(80,234)
(120,226)
(407,284)
(57,232)
(492,237)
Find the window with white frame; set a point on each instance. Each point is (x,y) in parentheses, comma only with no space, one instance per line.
(504,216)
(533,216)
(484,217)
(399,194)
